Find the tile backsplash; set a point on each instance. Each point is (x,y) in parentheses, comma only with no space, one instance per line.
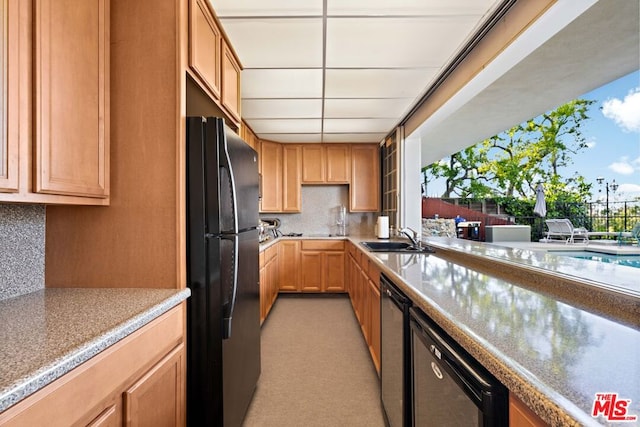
(320,205)
(22,238)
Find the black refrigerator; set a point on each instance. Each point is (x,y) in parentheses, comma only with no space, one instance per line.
(223,313)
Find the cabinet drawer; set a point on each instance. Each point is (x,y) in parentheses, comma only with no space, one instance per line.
(271,252)
(323,245)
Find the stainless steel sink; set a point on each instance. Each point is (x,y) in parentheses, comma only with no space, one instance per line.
(395,247)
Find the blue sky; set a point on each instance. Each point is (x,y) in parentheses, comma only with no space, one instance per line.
(613,135)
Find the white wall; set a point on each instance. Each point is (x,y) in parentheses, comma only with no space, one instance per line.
(410,181)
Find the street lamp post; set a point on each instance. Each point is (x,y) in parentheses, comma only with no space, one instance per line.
(607,185)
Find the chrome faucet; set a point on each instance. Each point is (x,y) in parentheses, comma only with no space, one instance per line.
(412,235)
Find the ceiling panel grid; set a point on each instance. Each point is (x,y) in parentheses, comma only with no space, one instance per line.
(341,70)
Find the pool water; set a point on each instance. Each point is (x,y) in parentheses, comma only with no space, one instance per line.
(627,260)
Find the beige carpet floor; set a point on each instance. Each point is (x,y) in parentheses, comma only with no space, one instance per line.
(316,368)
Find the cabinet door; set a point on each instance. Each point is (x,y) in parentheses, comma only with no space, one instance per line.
(313,164)
(230,82)
(9,96)
(364,191)
(311,271)
(338,164)
(204,46)
(334,271)
(365,305)
(110,417)
(158,398)
(271,188)
(289,260)
(291,175)
(521,416)
(374,339)
(264,285)
(273,283)
(71,67)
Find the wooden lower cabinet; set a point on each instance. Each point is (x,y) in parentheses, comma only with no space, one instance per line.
(110,417)
(163,383)
(521,416)
(364,291)
(322,266)
(139,381)
(289,265)
(311,271)
(269,277)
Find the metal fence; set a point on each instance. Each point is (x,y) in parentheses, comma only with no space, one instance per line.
(614,216)
(594,216)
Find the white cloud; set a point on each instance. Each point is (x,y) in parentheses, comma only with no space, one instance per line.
(591,143)
(625,166)
(625,113)
(628,190)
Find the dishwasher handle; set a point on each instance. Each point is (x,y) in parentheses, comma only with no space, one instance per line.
(394,294)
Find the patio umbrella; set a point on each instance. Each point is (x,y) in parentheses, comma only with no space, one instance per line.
(540,208)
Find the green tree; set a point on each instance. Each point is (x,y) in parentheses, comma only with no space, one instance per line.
(512,163)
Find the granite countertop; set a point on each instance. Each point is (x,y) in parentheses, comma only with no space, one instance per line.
(47,333)
(553,355)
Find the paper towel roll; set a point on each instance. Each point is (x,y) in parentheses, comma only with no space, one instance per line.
(382,231)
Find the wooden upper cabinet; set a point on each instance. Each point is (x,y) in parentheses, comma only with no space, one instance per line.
(204,46)
(313,164)
(230,82)
(364,192)
(9,96)
(338,163)
(271,176)
(291,177)
(322,164)
(71,83)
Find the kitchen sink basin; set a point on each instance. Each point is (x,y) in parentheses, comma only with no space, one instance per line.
(395,247)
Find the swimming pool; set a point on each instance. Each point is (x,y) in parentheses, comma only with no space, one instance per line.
(627,260)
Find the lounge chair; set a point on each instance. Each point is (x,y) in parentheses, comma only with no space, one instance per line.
(633,234)
(619,235)
(563,229)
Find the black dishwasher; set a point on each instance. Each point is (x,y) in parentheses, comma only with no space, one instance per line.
(394,355)
(449,387)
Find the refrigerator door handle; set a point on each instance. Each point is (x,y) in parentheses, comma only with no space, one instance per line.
(229,307)
(225,161)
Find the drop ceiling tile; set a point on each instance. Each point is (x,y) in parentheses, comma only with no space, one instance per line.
(353,137)
(365,108)
(281,108)
(267,8)
(292,137)
(282,83)
(286,126)
(408,7)
(358,125)
(377,83)
(395,42)
(276,43)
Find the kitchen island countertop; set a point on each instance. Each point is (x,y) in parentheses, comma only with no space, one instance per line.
(47,333)
(554,355)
